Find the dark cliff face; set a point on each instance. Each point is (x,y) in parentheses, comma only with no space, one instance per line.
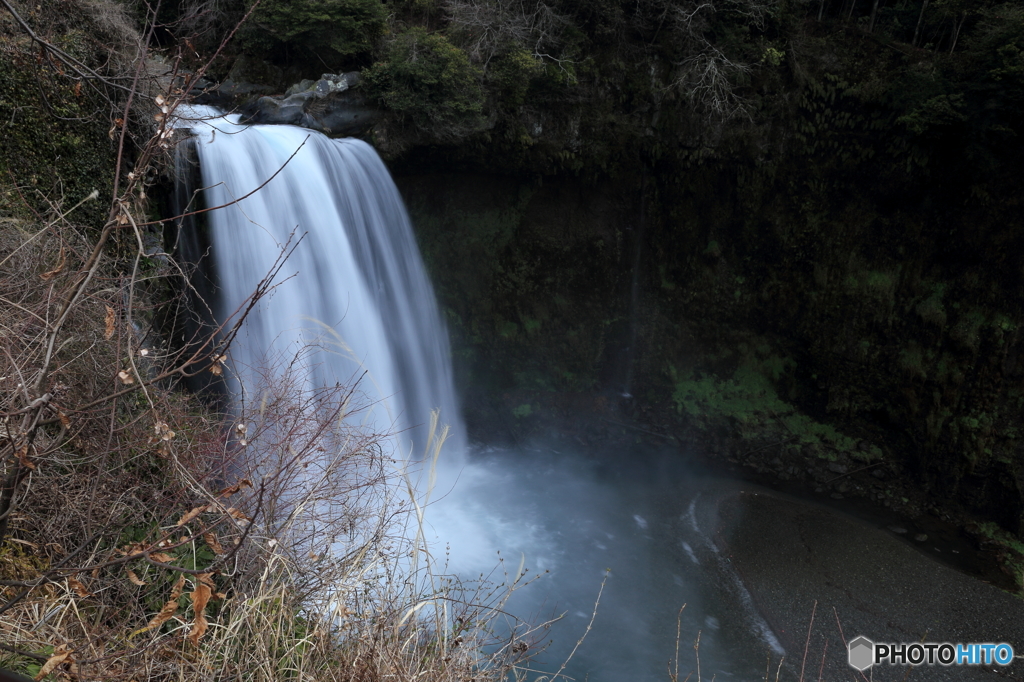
(840,273)
(831,318)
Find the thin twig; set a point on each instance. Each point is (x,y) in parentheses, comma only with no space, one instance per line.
(590,624)
(807,643)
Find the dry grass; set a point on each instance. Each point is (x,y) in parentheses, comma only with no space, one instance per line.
(293,522)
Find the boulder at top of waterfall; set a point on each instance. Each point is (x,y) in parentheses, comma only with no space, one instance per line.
(327,84)
(331,82)
(305,85)
(249,77)
(329,105)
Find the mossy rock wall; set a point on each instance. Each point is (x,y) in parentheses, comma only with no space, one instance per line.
(850,263)
(55,148)
(530,273)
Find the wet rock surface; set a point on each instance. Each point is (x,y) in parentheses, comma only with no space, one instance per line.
(328,105)
(798,559)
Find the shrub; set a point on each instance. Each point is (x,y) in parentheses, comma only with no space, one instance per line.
(324,31)
(511,73)
(429,84)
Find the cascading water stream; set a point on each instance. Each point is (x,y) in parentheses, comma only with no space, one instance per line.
(362,302)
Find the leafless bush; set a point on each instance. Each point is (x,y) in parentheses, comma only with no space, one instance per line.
(115,29)
(704,73)
(201,18)
(489,28)
(709,79)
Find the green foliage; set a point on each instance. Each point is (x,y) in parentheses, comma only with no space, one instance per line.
(773,56)
(524,410)
(24,665)
(998,43)
(966,331)
(416,6)
(877,286)
(512,73)
(931,309)
(429,83)
(749,401)
(911,361)
(1012,549)
(939,111)
(994,532)
(329,30)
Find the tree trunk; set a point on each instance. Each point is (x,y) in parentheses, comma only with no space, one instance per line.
(874,13)
(920,20)
(957,25)
(821,10)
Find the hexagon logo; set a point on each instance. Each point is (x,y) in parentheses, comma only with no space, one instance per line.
(862,653)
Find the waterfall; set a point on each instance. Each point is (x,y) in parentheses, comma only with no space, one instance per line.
(358,306)
(354,304)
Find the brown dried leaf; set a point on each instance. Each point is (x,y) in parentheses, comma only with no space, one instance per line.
(236,514)
(206,579)
(64,421)
(191,515)
(46,276)
(133,548)
(161,557)
(231,490)
(108,322)
(217,362)
(60,654)
(200,597)
(168,611)
(135,580)
(23,458)
(125,377)
(78,587)
(212,543)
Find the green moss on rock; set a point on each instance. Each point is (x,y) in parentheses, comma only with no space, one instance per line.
(54,148)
